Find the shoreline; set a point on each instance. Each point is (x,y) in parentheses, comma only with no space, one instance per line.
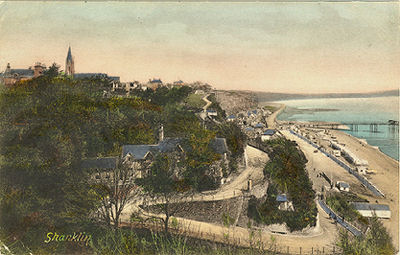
(386,177)
(273,119)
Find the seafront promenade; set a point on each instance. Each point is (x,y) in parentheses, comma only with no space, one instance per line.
(384,183)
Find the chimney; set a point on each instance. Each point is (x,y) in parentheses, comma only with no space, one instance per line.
(38,71)
(161,134)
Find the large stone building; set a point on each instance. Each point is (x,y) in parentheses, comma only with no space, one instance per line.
(70,70)
(11,76)
(138,157)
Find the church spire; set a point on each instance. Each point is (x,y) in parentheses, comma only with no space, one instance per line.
(69,63)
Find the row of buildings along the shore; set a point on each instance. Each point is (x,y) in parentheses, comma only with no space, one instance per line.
(10,76)
(253,123)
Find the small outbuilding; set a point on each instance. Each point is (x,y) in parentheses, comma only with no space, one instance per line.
(231,117)
(267,135)
(343,186)
(369,210)
(284,203)
(211,112)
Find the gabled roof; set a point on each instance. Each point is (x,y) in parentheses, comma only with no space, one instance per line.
(156,81)
(100,163)
(249,129)
(232,116)
(372,207)
(343,184)
(269,132)
(169,144)
(259,125)
(211,110)
(281,198)
(219,145)
(19,72)
(138,151)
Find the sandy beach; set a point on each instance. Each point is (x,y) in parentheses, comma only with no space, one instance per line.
(386,176)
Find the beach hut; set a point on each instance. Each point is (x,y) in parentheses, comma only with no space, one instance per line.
(370,210)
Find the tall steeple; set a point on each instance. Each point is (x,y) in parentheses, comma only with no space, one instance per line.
(69,63)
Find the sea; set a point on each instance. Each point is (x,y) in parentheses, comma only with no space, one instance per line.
(352,110)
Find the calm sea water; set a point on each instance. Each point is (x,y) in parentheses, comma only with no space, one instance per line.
(350,110)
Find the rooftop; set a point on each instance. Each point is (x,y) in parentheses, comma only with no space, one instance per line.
(100,163)
(269,132)
(372,207)
(281,198)
(343,184)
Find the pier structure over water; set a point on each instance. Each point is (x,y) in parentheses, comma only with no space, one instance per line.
(393,125)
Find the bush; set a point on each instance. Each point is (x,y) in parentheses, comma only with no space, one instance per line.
(287,173)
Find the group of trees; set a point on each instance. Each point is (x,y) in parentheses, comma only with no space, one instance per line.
(375,241)
(49,124)
(287,174)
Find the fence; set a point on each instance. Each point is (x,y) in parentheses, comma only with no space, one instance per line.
(228,239)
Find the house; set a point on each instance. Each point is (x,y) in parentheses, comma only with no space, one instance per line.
(259,125)
(11,76)
(129,86)
(143,154)
(211,112)
(179,83)
(284,203)
(267,135)
(231,118)
(154,84)
(370,210)
(343,186)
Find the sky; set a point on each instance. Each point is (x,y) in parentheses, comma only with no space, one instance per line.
(272,47)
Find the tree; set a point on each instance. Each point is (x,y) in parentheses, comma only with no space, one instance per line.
(375,241)
(115,189)
(162,184)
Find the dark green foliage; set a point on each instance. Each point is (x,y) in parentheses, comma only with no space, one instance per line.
(376,241)
(235,138)
(287,173)
(215,106)
(163,96)
(339,203)
(47,126)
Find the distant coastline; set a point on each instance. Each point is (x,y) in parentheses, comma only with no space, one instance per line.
(272,96)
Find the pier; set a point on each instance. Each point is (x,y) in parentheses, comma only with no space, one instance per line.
(393,125)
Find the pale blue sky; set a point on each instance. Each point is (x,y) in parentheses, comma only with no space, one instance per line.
(287,47)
